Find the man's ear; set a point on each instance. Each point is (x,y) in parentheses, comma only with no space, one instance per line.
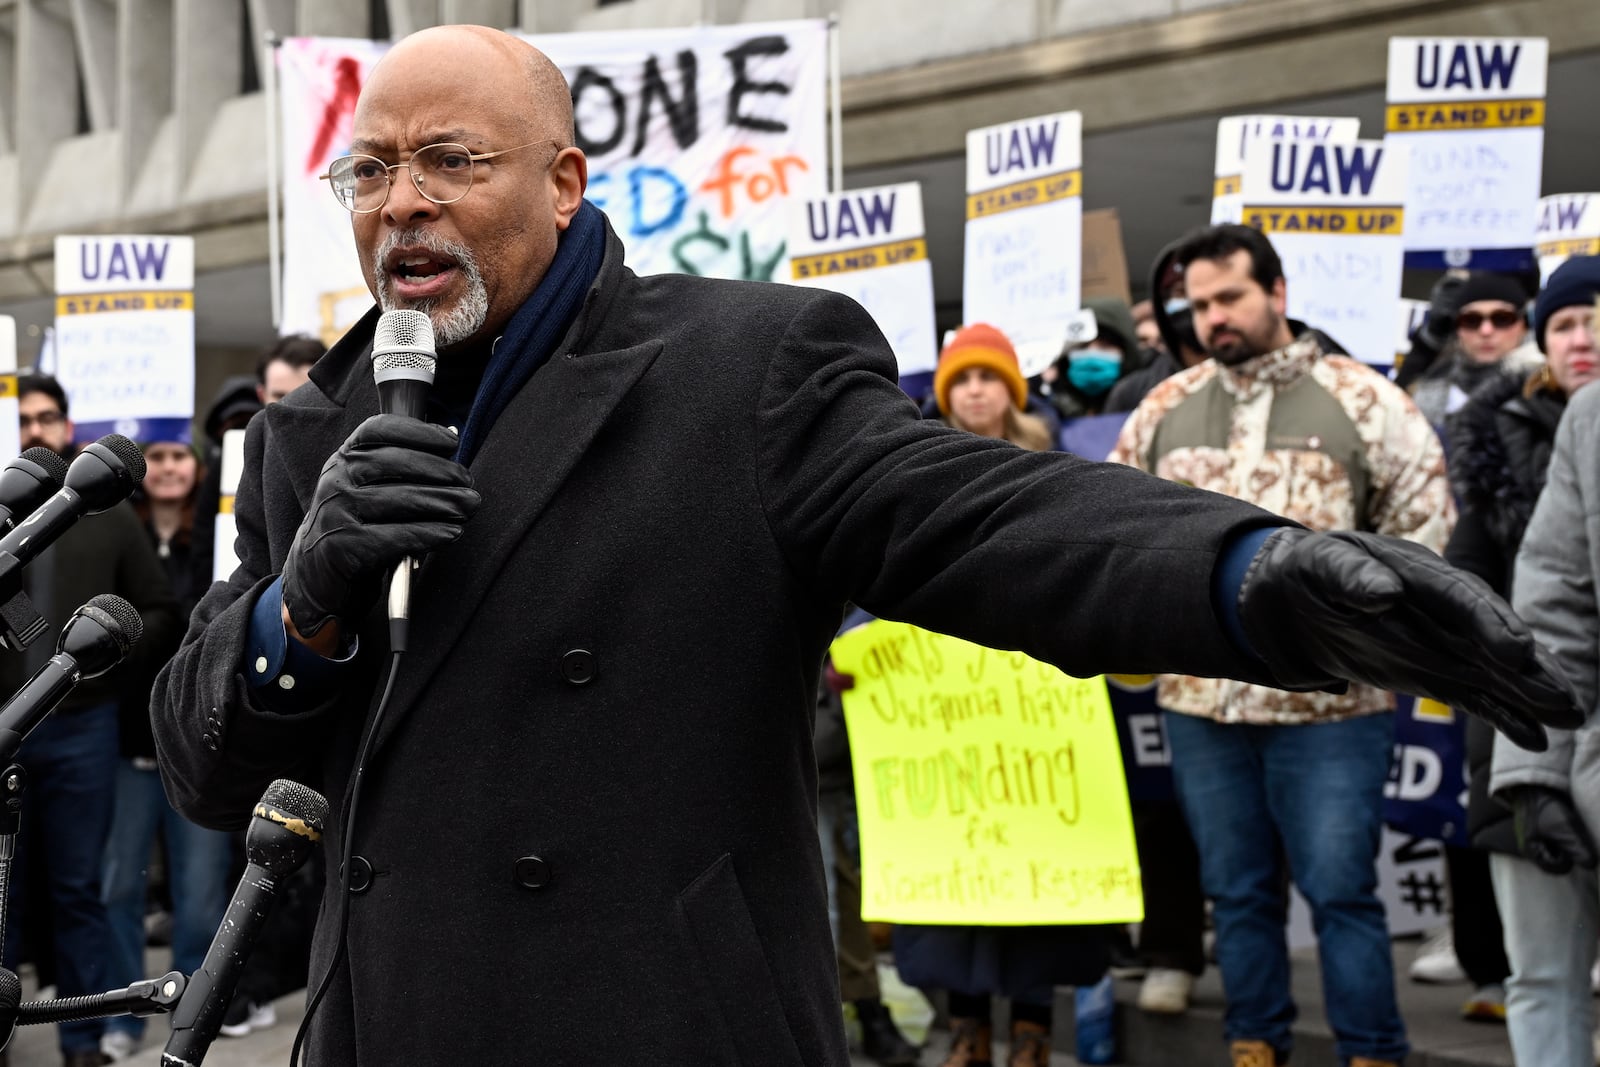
(569,175)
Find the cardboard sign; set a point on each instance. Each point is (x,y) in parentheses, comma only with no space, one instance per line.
(1569,225)
(227,529)
(1333,212)
(1470,113)
(870,245)
(1024,233)
(124,334)
(696,139)
(989,785)
(1105,263)
(1236,132)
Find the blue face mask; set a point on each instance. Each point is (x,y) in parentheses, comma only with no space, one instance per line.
(1093,373)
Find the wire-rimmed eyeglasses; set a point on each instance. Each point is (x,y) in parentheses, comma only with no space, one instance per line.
(441,172)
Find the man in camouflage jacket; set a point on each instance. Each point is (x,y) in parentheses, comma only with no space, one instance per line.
(1267,776)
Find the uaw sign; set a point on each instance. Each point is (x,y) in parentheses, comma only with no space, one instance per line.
(869,244)
(1469,111)
(1569,225)
(1024,259)
(989,785)
(1234,134)
(1333,212)
(696,138)
(124,335)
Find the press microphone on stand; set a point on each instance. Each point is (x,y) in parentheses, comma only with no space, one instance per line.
(28,481)
(403,362)
(287,823)
(94,639)
(102,476)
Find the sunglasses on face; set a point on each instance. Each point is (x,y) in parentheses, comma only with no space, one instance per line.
(1472,321)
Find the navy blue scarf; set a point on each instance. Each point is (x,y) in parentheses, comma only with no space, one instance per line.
(538,326)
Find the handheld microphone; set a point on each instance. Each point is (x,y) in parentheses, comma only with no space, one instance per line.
(28,481)
(104,474)
(403,363)
(288,821)
(94,639)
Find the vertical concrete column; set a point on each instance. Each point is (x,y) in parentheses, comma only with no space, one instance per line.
(408,16)
(501,14)
(271,16)
(47,98)
(95,26)
(333,18)
(207,68)
(144,89)
(552,16)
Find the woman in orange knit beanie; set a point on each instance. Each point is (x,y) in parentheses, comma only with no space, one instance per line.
(980,388)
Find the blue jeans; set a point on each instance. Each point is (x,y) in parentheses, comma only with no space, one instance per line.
(199,861)
(1256,796)
(71,760)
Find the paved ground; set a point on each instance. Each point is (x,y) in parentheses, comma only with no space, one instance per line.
(1439,1036)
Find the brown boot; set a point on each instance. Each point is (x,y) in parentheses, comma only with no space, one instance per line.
(1030,1045)
(1367,1061)
(970,1043)
(1254,1054)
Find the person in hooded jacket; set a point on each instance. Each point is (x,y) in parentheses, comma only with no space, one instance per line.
(1541,833)
(1490,335)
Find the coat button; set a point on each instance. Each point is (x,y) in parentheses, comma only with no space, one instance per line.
(209,740)
(360,874)
(531,872)
(578,666)
(215,723)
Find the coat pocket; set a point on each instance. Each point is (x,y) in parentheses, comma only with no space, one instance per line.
(723,942)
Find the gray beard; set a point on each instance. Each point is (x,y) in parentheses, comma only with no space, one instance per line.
(455,323)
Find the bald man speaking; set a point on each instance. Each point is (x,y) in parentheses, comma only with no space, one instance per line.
(586,828)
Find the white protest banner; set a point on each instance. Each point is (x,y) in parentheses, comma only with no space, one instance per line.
(10,431)
(869,244)
(1333,213)
(224,561)
(1469,111)
(696,139)
(1234,134)
(1409,319)
(1023,260)
(124,334)
(1569,225)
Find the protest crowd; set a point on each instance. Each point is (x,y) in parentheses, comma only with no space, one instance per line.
(1243,822)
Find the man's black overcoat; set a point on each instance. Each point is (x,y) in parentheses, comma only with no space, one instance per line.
(612,673)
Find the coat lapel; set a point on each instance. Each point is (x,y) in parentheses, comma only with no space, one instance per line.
(529,453)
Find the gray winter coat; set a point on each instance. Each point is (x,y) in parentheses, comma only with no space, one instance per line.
(1554,590)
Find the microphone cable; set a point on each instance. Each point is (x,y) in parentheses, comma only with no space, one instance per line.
(346,835)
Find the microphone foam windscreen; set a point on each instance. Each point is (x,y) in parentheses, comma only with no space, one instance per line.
(300,801)
(123,612)
(55,468)
(132,455)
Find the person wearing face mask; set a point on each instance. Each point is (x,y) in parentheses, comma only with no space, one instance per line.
(1081,379)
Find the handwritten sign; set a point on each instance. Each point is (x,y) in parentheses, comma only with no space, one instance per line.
(989,785)
(124,334)
(1569,225)
(696,138)
(869,244)
(1333,212)
(1470,113)
(1024,233)
(1234,134)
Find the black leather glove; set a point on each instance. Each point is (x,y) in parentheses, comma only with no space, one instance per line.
(1549,831)
(1321,608)
(391,491)
(1444,303)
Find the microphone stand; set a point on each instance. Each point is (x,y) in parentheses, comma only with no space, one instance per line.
(150,996)
(12,783)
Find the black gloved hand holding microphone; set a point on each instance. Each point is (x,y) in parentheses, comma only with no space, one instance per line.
(391,492)
(1324,608)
